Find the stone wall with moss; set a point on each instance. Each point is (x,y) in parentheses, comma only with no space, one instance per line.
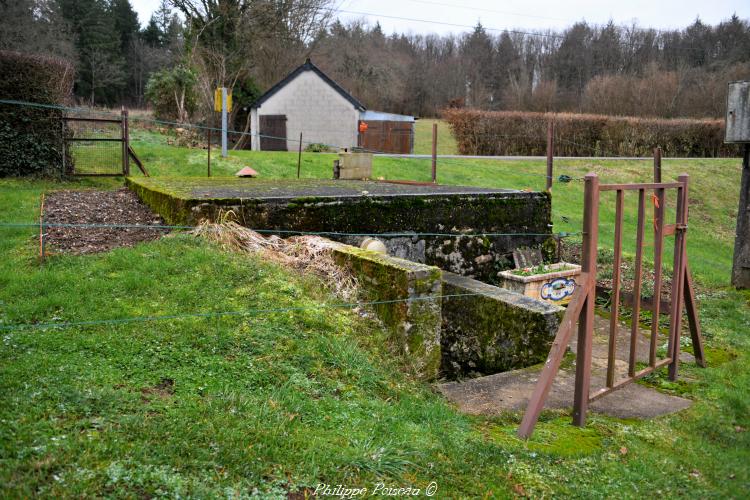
(410,305)
(493,331)
(372,208)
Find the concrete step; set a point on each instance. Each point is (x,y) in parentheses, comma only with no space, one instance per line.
(510,391)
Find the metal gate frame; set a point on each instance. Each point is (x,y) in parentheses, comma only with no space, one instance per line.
(581,307)
(124,139)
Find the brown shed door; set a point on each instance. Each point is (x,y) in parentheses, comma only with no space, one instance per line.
(387,137)
(272,132)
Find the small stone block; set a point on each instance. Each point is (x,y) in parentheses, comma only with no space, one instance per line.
(527,257)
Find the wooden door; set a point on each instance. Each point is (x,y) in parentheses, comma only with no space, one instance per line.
(387,137)
(272,132)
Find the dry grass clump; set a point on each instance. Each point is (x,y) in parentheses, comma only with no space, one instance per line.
(307,254)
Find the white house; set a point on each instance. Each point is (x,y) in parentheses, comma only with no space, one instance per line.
(310,102)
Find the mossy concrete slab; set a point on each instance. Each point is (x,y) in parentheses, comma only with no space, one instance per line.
(487,329)
(510,391)
(231,188)
(434,224)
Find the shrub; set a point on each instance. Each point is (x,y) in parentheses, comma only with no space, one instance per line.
(523,133)
(30,136)
(318,148)
(172,93)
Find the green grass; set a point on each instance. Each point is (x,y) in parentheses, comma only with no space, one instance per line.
(423,138)
(270,403)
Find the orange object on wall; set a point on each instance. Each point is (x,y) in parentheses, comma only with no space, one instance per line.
(362,127)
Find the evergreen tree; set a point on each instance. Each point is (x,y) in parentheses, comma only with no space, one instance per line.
(125,22)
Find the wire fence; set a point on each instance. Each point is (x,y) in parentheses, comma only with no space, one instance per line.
(218,314)
(42,225)
(101,157)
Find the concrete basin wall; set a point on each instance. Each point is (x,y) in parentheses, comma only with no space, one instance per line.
(410,302)
(494,331)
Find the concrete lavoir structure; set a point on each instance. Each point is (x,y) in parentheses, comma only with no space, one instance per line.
(445,324)
(307,101)
(467,230)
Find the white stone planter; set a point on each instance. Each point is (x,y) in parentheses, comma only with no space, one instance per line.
(555,287)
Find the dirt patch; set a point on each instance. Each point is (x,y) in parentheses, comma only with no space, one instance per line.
(164,389)
(120,207)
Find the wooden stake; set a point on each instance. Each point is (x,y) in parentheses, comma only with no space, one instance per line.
(299,155)
(434,153)
(550,153)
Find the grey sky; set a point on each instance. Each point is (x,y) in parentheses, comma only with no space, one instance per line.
(530,14)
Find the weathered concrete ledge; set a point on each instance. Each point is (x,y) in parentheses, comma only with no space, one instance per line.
(415,322)
(494,331)
(425,213)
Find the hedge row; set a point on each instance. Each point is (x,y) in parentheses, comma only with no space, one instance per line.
(30,137)
(523,133)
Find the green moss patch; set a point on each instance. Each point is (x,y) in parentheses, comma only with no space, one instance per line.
(557,437)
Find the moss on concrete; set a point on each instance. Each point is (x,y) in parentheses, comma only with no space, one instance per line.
(494,331)
(313,205)
(414,323)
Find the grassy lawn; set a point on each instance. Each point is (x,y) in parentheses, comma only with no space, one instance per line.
(423,138)
(264,404)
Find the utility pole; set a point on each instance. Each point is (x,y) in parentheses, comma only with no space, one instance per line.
(738,131)
(741,262)
(223,122)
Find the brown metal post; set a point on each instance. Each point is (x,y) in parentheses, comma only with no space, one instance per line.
(42,230)
(615,305)
(556,353)
(209,152)
(678,277)
(299,155)
(550,152)
(637,281)
(691,310)
(657,164)
(63,128)
(659,200)
(434,153)
(586,321)
(125,142)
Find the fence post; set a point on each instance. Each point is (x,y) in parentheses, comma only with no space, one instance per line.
(657,164)
(586,321)
(678,276)
(550,152)
(299,155)
(209,150)
(64,146)
(434,153)
(42,231)
(125,142)
(741,258)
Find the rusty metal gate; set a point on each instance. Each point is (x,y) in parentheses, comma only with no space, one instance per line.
(96,146)
(581,308)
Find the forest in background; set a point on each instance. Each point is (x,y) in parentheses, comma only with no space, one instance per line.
(188,47)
